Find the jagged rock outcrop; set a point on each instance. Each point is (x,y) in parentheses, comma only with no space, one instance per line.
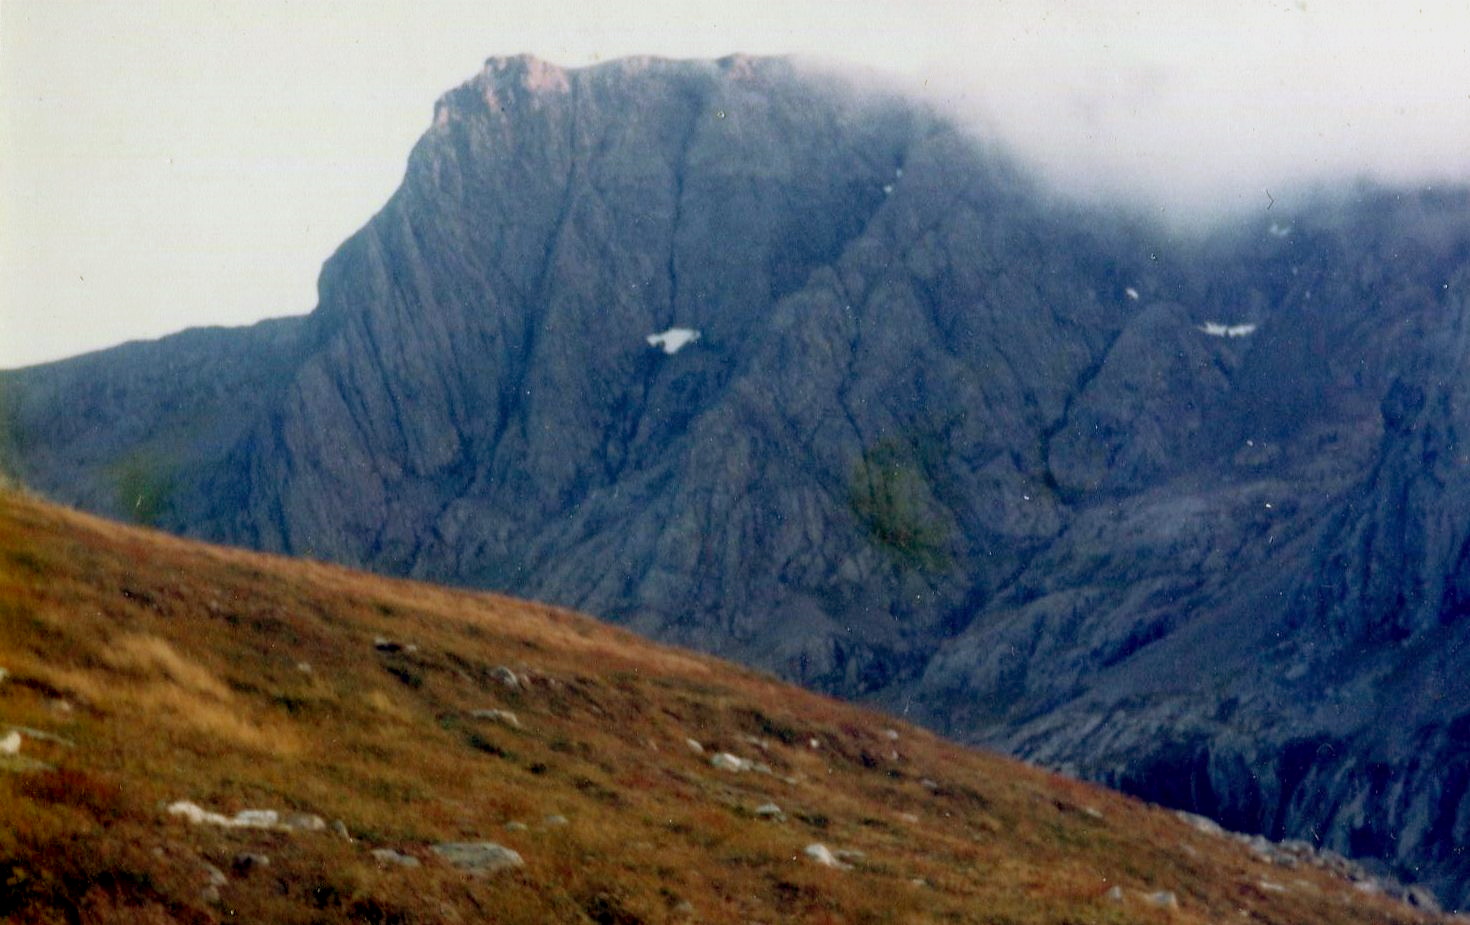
(1188,516)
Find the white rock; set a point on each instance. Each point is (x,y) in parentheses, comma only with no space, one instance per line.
(694,746)
(819,853)
(505,676)
(257,818)
(500,716)
(891,734)
(10,745)
(728,762)
(197,814)
(769,811)
(1115,894)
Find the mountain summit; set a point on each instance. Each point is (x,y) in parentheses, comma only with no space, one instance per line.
(1190,516)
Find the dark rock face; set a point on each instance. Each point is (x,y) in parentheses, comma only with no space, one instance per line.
(1190,517)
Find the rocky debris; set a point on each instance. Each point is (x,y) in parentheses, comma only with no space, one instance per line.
(824,856)
(769,811)
(1163,899)
(479,857)
(499,716)
(248,818)
(728,762)
(1292,853)
(387,857)
(1202,824)
(506,677)
(246,861)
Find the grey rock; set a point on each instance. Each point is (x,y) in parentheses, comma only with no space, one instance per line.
(340,828)
(304,822)
(1164,899)
(214,878)
(481,857)
(769,811)
(388,857)
(246,862)
(506,677)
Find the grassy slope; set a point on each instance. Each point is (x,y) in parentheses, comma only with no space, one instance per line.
(235,680)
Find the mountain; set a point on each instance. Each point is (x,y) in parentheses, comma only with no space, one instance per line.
(1184,514)
(181,722)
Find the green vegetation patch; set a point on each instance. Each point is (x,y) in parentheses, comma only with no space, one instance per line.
(893,498)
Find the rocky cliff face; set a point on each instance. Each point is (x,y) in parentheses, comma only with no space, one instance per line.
(1188,516)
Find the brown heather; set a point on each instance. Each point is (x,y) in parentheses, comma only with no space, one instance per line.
(177,671)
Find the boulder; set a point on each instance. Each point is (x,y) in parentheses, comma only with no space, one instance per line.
(479,857)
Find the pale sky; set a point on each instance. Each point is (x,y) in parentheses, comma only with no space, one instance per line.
(172,163)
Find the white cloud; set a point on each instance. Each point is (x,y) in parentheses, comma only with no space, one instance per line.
(166,163)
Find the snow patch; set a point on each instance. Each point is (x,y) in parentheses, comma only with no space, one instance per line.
(673,340)
(1278,230)
(1216,329)
(1131,293)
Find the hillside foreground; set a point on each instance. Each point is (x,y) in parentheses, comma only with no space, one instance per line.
(194,734)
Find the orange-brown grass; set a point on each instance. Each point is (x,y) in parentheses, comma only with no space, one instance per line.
(180,671)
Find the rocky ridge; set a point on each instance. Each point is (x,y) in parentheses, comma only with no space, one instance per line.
(1186,516)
